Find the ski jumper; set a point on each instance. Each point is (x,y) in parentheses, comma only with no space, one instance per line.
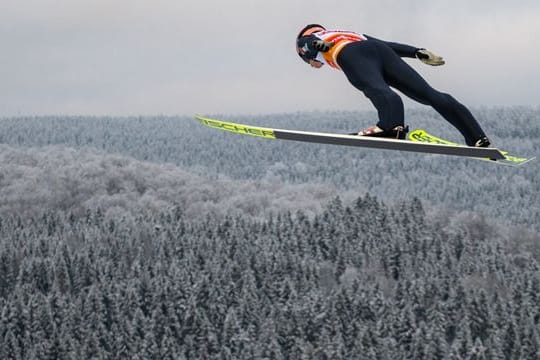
(374,66)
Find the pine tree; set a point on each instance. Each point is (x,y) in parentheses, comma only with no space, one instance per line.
(394,261)
(61,278)
(10,348)
(455,310)
(366,346)
(530,342)
(462,343)
(269,347)
(90,347)
(121,343)
(149,347)
(168,349)
(511,343)
(231,330)
(494,348)
(436,345)
(478,351)
(420,343)
(404,330)
(478,311)
(7,274)
(94,317)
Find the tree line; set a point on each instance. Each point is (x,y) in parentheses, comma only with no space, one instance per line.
(358,280)
(504,194)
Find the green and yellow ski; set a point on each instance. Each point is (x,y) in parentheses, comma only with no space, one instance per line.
(353,140)
(421,136)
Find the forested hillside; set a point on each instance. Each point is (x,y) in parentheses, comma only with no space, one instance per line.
(158,238)
(503,194)
(354,282)
(34,180)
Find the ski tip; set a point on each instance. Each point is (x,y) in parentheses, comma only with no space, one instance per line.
(237,128)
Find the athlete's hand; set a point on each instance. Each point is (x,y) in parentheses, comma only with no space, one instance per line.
(427,57)
(321,45)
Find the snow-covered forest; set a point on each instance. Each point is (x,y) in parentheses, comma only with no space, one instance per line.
(155,237)
(503,194)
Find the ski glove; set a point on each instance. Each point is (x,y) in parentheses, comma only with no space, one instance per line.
(427,57)
(321,45)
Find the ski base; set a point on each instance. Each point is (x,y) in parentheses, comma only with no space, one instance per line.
(354,140)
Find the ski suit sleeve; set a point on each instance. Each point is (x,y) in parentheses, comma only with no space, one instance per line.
(401,49)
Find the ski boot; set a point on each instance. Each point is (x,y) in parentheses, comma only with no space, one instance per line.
(399,132)
(482,142)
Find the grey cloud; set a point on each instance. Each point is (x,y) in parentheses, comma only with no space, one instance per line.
(133,57)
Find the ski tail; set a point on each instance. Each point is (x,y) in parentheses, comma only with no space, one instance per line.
(420,135)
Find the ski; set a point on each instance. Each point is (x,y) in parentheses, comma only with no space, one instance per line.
(353,140)
(421,136)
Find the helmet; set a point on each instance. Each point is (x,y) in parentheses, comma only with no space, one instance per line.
(310,29)
(303,38)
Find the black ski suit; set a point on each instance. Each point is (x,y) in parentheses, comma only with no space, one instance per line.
(373,66)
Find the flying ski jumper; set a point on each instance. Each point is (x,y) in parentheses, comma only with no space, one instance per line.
(374,66)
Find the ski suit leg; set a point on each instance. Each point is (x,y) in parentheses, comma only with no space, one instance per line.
(403,77)
(363,67)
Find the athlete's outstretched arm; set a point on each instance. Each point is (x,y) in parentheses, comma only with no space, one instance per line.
(426,56)
(401,49)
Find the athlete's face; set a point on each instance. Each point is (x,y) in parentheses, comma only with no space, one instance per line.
(315,64)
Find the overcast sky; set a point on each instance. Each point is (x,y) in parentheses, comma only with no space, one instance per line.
(179,57)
